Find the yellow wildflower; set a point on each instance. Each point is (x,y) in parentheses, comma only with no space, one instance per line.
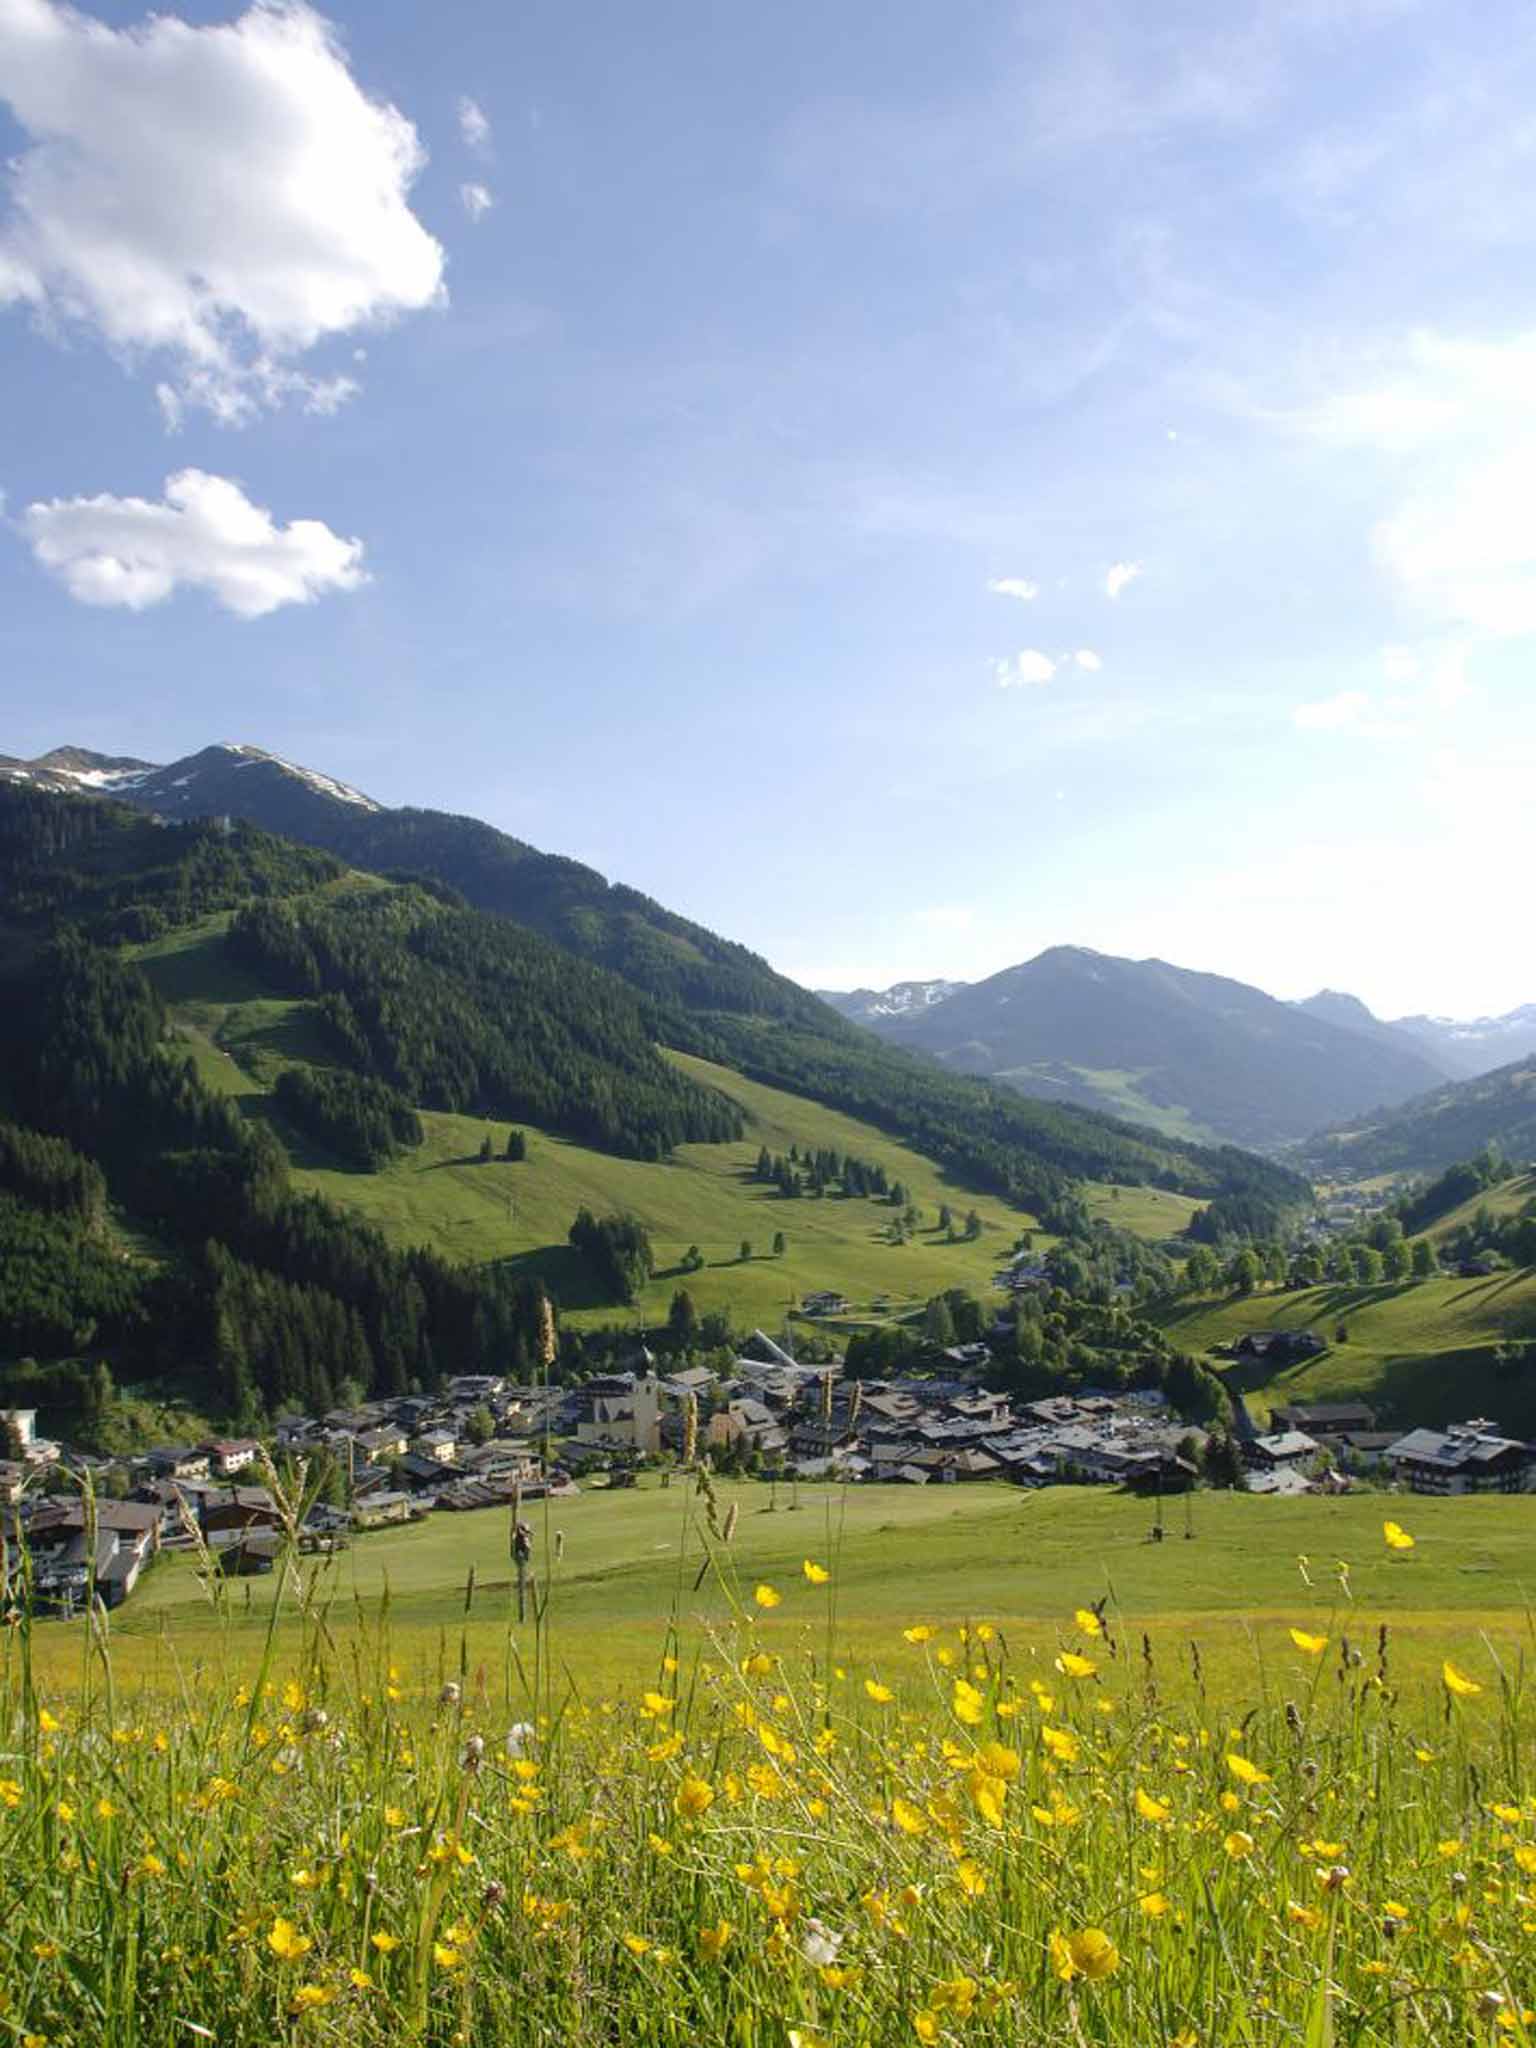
(286,1942)
(817,1574)
(767,1596)
(1089,1953)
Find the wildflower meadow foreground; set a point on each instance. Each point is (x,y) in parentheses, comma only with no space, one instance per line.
(973,1840)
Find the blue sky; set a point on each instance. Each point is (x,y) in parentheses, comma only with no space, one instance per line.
(613,422)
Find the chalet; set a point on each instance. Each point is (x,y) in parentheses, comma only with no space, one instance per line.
(385,1441)
(1326,1418)
(502,1458)
(381,1509)
(417,1473)
(440,1445)
(1279,1347)
(748,1423)
(249,1554)
(1285,1480)
(169,1462)
(66,1568)
(1470,1457)
(826,1303)
(816,1439)
(1292,1447)
(228,1455)
(227,1514)
(475,1389)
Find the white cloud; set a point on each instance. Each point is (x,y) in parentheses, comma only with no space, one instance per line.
(1118,575)
(1086,658)
(1014,586)
(477,200)
(1029,666)
(1347,712)
(224,197)
(474,126)
(205,534)
(1454,421)
(1399,664)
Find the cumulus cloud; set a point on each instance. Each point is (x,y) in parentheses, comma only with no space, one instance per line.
(222,198)
(1453,421)
(1085,657)
(1014,586)
(1026,667)
(205,534)
(474,126)
(477,200)
(1118,575)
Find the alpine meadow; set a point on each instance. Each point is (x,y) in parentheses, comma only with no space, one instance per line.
(767,1098)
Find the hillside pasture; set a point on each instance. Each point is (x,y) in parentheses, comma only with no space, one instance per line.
(1419,1351)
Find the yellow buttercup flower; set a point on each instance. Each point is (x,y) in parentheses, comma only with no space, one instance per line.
(767,1596)
(1089,1953)
(1150,1808)
(968,1703)
(1073,1666)
(1246,1773)
(880,1694)
(1397,1536)
(1311,1646)
(286,1942)
(920,1632)
(909,1818)
(816,1573)
(1457,1681)
(695,1796)
(1088,1622)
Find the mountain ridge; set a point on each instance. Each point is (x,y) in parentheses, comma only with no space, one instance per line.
(1174,1047)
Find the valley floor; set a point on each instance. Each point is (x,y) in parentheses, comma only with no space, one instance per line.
(625,1566)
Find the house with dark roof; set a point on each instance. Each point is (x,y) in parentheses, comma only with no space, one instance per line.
(1325,1418)
(1469,1457)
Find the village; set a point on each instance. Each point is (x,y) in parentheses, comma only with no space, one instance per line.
(91,1525)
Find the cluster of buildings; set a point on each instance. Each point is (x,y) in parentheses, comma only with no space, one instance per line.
(1314,1446)
(808,1422)
(485,1441)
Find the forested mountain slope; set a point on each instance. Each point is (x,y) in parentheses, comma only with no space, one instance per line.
(1436,1129)
(710,997)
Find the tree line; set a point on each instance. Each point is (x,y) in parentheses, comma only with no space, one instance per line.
(272,1297)
(463,1012)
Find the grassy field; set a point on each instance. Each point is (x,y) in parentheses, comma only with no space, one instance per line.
(444,1195)
(1152,1213)
(915,1790)
(1505,1198)
(1420,1351)
(630,1560)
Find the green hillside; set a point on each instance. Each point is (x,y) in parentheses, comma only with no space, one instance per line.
(443,1195)
(1436,1129)
(1419,1351)
(1503,1198)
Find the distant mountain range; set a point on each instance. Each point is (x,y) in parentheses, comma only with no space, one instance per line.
(1194,1054)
